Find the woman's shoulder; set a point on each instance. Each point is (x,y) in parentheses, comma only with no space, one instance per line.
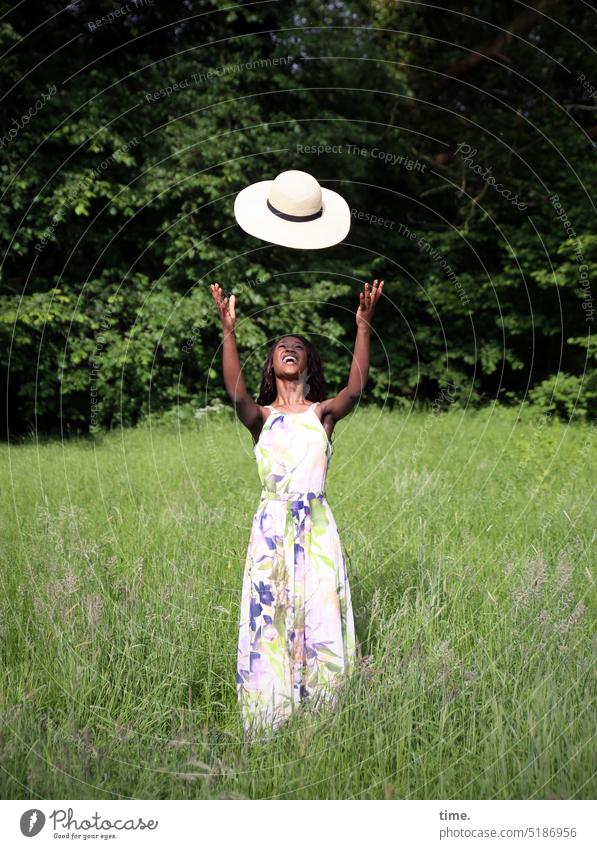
(322,408)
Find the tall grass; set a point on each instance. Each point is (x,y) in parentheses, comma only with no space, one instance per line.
(470,539)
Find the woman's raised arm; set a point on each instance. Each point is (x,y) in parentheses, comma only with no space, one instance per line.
(245,407)
(346,399)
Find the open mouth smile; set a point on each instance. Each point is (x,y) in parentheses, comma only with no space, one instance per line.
(289,358)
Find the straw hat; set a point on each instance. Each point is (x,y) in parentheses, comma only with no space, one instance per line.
(294,211)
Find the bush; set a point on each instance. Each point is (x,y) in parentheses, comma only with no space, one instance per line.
(567,395)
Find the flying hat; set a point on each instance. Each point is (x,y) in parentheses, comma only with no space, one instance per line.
(294,211)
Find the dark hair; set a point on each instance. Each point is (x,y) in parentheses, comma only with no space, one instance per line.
(316,383)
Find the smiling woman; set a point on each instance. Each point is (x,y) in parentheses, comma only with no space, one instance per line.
(296,635)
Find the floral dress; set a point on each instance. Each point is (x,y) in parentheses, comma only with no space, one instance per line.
(296,635)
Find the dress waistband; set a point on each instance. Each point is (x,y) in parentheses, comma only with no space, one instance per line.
(292,496)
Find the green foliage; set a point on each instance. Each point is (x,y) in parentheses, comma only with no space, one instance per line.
(567,395)
(118,195)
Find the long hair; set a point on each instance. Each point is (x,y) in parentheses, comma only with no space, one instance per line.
(315,383)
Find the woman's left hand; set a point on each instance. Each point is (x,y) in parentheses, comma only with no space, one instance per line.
(369,300)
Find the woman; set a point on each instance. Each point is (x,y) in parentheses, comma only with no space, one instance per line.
(296,632)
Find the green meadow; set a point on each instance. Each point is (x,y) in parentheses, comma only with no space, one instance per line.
(471,544)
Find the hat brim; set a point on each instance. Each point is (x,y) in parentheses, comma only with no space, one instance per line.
(253,215)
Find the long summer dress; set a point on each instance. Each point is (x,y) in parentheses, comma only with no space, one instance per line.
(296,636)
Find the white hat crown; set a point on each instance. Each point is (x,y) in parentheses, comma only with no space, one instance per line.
(295,193)
(294,211)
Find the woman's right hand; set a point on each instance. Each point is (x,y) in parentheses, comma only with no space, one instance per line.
(225,307)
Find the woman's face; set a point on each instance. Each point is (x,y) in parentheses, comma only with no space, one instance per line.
(290,357)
